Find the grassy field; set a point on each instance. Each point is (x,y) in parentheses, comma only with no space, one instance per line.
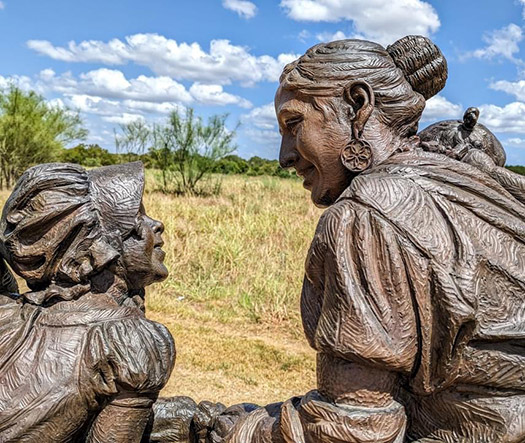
(231,301)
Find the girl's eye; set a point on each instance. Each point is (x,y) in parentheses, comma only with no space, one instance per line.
(138,230)
(293,123)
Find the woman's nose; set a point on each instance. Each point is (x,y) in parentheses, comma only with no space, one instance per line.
(288,156)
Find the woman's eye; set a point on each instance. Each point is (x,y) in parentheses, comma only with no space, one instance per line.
(292,124)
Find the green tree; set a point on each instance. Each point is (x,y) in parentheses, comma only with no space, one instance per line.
(88,155)
(231,164)
(32,131)
(185,149)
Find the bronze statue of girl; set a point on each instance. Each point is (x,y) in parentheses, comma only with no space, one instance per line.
(78,359)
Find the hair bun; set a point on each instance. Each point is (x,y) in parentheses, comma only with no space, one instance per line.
(422,63)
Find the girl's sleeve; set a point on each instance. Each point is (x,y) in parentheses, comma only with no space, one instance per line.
(129,359)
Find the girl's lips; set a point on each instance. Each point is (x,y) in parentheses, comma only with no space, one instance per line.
(158,248)
(160,253)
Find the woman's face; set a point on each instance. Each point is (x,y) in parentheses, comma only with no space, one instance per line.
(143,257)
(312,141)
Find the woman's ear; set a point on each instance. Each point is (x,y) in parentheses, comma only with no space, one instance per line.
(360,96)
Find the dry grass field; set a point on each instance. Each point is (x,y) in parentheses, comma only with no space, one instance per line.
(231,301)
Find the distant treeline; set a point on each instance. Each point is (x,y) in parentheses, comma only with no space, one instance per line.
(94,156)
(517,169)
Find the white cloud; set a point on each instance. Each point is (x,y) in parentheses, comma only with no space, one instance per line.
(105,107)
(244,8)
(515,141)
(215,95)
(157,94)
(93,105)
(111,83)
(155,108)
(304,35)
(502,42)
(439,108)
(517,89)
(22,81)
(338,35)
(509,118)
(57,103)
(111,53)
(224,63)
(523,5)
(514,147)
(331,36)
(114,111)
(383,21)
(262,117)
(2,5)
(123,119)
(270,139)
(260,126)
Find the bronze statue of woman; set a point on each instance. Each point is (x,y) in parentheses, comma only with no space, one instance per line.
(78,359)
(414,291)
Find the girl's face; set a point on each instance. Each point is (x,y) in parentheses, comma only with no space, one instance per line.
(143,257)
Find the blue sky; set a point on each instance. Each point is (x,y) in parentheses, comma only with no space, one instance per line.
(117,61)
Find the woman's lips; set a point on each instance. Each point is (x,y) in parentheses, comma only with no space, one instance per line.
(307,175)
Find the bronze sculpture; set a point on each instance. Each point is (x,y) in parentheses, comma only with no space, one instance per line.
(78,359)
(472,143)
(414,291)
(456,138)
(413,295)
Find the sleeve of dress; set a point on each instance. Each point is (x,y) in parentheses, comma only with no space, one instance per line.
(356,301)
(129,359)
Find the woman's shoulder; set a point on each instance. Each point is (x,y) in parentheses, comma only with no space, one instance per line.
(409,182)
(133,336)
(375,193)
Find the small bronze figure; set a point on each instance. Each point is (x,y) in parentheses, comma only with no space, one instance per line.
(472,143)
(78,359)
(455,138)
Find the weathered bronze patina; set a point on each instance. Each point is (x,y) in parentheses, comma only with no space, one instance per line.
(456,138)
(472,143)
(414,291)
(78,359)
(413,295)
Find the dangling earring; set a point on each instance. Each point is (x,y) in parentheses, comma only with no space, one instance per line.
(356,156)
